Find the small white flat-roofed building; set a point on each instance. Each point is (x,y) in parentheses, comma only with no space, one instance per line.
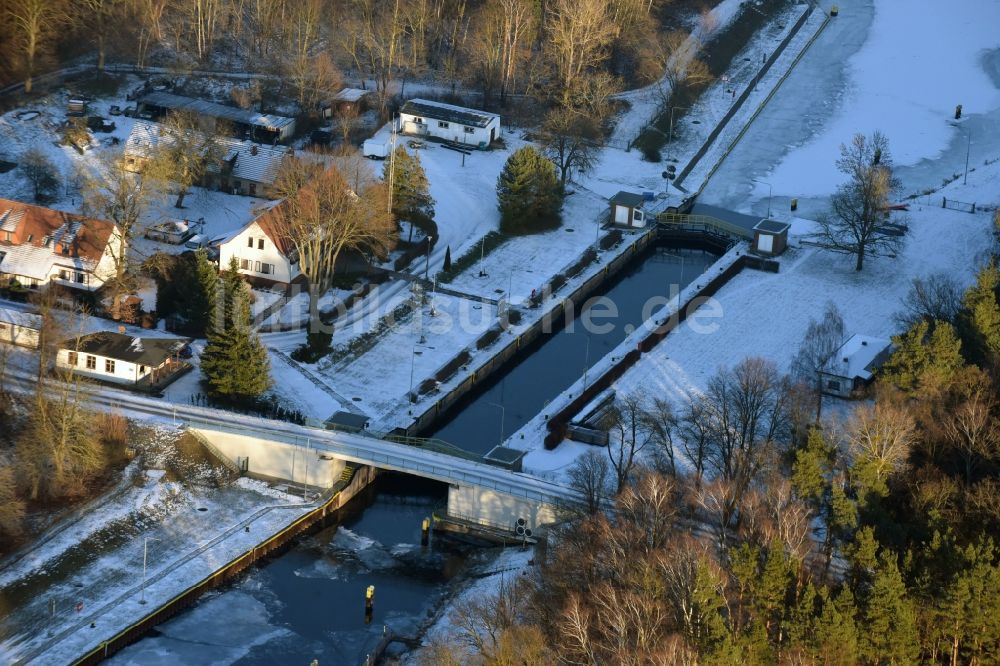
(626,209)
(853,365)
(424,117)
(19,328)
(122,359)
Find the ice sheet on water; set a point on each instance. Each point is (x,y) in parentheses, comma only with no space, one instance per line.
(402,549)
(345,539)
(220,630)
(325,569)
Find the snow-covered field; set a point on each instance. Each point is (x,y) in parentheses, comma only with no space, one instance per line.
(871,69)
(765,314)
(91,571)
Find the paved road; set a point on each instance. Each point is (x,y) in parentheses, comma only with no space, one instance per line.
(366,450)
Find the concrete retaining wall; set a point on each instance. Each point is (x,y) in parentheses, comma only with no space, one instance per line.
(497,510)
(542,326)
(275,460)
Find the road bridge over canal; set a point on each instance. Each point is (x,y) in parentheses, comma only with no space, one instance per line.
(478,491)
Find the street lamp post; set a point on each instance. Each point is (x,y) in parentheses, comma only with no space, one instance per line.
(968,147)
(680,278)
(427,261)
(503,417)
(768,195)
(145,553)
(413,357)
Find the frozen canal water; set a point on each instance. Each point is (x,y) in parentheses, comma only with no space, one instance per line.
(871,69)
(478,423)
(309,603)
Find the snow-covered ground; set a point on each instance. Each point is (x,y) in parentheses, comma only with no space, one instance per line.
(91,572)
(766,314)
(871,69)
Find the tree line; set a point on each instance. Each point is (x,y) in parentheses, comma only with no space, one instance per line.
(747,527)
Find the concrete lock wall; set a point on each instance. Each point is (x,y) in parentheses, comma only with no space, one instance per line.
(496,509)
(277,460)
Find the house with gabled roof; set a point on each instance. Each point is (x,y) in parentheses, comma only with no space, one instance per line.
(40,246)
(853,365)
(123,359)
(260,250)
(235,166)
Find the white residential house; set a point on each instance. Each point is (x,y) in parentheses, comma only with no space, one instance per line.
(260,251)
(853,365)
(122,359)
(472,127)
(19,328)
(39,246)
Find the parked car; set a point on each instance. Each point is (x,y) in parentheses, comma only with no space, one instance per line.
(416,143)
(115,110)
(186,352)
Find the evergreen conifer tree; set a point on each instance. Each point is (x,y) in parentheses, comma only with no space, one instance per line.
(890,635)
(836,634)
(411,198)
(924,357)
(235,363)
(981,315)
(529,195)
(447,259)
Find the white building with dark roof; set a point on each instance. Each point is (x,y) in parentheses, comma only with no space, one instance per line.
(423,117)
(20,328)
(261,251)
(853,365)
(122,359)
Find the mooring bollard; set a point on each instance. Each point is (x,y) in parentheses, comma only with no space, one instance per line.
(425,531)
(369,603)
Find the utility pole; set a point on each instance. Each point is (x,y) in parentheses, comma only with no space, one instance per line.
(968,146)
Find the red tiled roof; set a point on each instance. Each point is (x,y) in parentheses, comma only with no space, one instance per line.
(31,225)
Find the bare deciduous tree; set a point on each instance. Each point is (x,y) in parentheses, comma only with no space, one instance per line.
(498,45)
(969,426)
(571,140)
(823,338)
(114,191)
(694,436)
(677,52)
(41,172)
(662,424)
(860,205)
(747,418)
(934,298)
(32,22)
(880,438)
(579,34)
(590,475)
(627,436)
(325,214)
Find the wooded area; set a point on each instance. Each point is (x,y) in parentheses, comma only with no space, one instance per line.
(746,529)
(569,53)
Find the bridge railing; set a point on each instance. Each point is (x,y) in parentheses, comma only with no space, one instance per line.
(438,465)
(703,223)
